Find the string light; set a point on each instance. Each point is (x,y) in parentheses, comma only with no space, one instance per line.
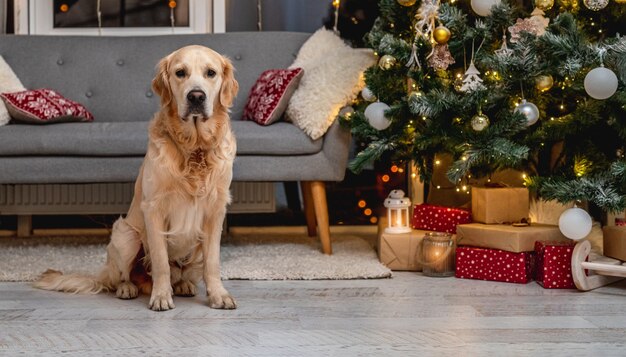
(394,168)
(362,204)
(385,178)
(64,7)
(373,220)
(367,212)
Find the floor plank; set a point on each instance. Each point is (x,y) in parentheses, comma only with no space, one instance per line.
(404,316)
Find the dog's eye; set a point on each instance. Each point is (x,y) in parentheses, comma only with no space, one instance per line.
(180,73)
(210,73)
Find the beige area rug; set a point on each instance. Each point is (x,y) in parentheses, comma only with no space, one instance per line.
(245,256)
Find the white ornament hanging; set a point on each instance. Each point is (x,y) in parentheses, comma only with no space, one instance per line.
(504,50)
(601,83)
(375,114)
(530,111)
(472,80)
(368,95)
(575,223)
(595,5)
(483,7)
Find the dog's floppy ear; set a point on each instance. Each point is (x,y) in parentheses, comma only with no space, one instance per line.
(230,87)
(161,83)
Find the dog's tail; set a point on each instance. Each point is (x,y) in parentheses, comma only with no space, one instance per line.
(71,283)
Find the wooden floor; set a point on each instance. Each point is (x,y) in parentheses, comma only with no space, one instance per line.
(408,315)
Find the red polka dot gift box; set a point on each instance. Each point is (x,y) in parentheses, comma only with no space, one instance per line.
(494,265)
(554,264)
(439,218)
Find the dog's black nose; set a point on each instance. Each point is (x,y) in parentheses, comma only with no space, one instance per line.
(196,97)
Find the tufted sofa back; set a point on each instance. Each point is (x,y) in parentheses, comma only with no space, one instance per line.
(112,76)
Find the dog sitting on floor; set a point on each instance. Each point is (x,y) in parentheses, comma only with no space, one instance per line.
(170,238)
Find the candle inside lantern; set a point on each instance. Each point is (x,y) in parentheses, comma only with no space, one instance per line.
(438,254)
(397,212)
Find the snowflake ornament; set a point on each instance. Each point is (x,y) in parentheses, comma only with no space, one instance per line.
(441,58)
(536,25)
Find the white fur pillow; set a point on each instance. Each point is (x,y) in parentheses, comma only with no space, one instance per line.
(9,83)
(332,78)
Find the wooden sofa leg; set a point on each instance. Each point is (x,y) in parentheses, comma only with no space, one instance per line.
(318,190)
(24,225)
(309,209)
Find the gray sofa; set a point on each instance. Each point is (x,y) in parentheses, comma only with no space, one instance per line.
(111,76)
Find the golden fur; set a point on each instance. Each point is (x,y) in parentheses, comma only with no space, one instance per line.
(170,238)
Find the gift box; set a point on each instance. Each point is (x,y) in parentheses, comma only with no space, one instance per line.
(507,237)
(499,205)
(554,264)
(400,251)
(615,242)
(439,218)
(494,265)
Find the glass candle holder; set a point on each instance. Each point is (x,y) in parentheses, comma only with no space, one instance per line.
(438,254)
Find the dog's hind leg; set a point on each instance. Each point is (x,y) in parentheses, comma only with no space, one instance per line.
(122,255)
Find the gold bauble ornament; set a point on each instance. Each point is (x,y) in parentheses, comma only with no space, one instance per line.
(544,5)
(386,62)
(479,122)
(441,35)
(407,2)
(544,82)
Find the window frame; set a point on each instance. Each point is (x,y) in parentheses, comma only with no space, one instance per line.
(36,17)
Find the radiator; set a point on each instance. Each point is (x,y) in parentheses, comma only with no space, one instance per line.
(112,198)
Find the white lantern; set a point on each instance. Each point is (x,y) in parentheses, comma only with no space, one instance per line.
(397,212)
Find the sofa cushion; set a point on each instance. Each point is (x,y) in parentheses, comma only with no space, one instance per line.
(270,95)
(131,139)
(44,106)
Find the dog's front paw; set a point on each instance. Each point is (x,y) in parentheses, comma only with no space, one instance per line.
(161,301)
(221,299)
(127,290)
(185,288)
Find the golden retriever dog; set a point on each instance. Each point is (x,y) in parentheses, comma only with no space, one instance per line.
(170,238)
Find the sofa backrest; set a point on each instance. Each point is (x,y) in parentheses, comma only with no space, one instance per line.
(112,76)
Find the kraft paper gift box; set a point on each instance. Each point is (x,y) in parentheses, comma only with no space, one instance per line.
(507,237)
(553,268)
(494,265)
(439,218)
(615,242)
(499,205)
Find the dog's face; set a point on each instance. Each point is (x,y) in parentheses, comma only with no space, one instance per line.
(193,82)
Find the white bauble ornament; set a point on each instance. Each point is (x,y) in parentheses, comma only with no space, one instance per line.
(600,83)
(375,114)
(595,5)
(368,95)
(479,122)
(530,111)
(483,7)
(575,223)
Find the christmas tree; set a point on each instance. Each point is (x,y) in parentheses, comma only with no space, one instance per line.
(537,87)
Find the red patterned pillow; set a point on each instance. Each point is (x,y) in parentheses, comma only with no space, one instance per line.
(270,95)
(42,106)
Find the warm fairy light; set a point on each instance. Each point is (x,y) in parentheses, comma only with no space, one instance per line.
(437,162)
(64,8)
(367,212)
(438,187)
(562,107)
(464,158)
(464,188)
(551,118)
(400,170)
(424,118)
(394,168)
(373,220)
(523,176)
(385,178)
(336,3)
(413,175)
(458,189)
(172,4)
(362,204)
